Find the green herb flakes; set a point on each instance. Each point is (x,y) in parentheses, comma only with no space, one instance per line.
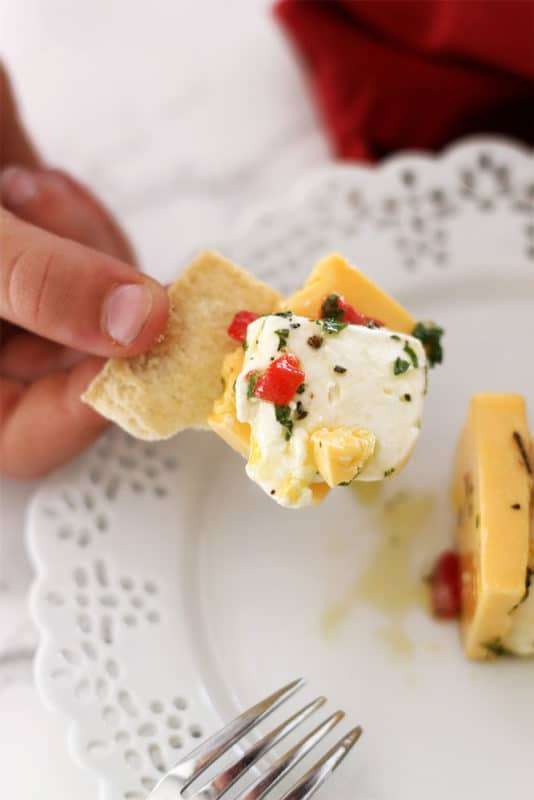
(330,308)
(389,472)
(408,349)
(496,647)
(251,383)
(282,334)
(400,365)
(283,416)
(338,368)
(429,334)
(301,389)
(331,326)
(395,337)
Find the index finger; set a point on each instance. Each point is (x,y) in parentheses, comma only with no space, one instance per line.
(76,296)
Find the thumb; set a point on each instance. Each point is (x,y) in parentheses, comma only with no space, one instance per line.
(76,296)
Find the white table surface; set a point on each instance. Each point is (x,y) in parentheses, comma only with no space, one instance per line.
(183,115)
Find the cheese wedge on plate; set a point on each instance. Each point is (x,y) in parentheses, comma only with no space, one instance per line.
(492,489)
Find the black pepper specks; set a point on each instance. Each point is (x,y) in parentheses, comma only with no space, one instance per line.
(407,398)
(315,341)
(340,369)
(300,411)
(516,506)
(294,325)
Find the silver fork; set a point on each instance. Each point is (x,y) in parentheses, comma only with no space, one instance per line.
(190,768)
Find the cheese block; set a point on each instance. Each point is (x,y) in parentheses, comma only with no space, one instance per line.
(335,274)
(331,274)
(491,493)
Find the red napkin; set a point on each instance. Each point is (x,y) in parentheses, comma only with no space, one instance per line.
(416,73)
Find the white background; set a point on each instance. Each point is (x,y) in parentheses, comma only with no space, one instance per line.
(183,115)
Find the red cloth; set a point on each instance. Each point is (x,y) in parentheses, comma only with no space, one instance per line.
(416,73)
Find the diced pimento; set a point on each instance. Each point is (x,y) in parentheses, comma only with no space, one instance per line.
(446,586)
(280,381)
(238,327)
(334,306)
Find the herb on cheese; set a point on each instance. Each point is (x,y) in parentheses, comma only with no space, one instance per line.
(389,472)
(429,334)
(301,389)
(516,506)
(284,314)
(315,342)
(251,383)
(411,353)
(407,398)
(330,308)
(331,326)
(282,334)
(340,369)
(395,337)
(518,439)
(496,647)
(283,416)
(400,365)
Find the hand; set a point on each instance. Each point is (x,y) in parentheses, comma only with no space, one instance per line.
(68,298)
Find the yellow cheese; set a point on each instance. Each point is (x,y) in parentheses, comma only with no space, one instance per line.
(331,274)
(491,493)
(334,274)
(223,418)
(340,453)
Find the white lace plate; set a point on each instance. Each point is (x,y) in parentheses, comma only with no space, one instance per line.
(171,592)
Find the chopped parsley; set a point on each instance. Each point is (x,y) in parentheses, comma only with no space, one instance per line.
(429,334)
(407,398)
(284,314)
(282,334)
(389,472)
(245,345)
(331,326)
(523,451)
(330,308)
(340,369)
(400,365)
(395,337)
(283,416)
(496,647)
(408,349)
(301,389)
(251,383)
(300,411)
(315,341)
(345,483)
(294,325)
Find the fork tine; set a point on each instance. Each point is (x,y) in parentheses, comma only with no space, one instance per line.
(317,775)
(222,782)
(194,764)
(285,763)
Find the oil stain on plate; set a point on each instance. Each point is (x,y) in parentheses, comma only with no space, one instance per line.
(388,582)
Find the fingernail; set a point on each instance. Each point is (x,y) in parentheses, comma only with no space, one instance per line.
(17,186)
(126,310)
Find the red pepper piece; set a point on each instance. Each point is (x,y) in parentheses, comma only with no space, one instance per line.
(238,327)
(280,381)
(446,586)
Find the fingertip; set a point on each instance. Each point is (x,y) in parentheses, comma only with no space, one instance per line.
(135,316)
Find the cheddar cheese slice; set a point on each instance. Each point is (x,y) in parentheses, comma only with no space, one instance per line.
(491,493)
